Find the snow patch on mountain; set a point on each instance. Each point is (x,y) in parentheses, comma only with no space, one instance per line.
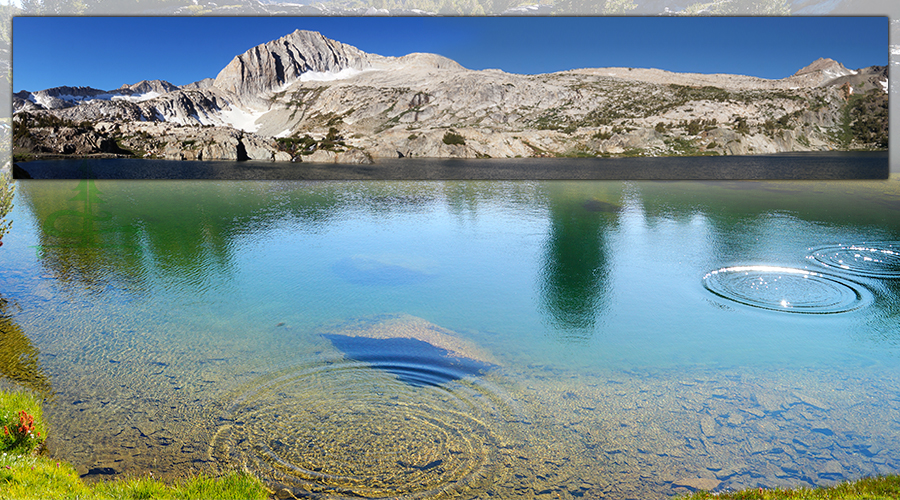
(241,119)
(329,76)
(137,97)
(49,101)
(831,74)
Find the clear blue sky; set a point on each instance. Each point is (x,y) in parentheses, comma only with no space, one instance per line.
(107,52)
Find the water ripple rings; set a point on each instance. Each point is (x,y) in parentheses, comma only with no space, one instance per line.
(347,430)
(787,289)
(872,260)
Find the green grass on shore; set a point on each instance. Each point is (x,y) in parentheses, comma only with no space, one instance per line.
(26,475)
(870,488)
(40,478)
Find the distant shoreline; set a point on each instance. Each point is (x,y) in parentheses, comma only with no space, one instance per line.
(112,156)
(828,165)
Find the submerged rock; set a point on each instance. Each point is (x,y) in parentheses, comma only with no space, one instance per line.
(417,351)
(697,483)
(383,270)
(595,205)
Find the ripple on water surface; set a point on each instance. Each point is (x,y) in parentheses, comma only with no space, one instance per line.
(348,429)
(873,260)
(786,289)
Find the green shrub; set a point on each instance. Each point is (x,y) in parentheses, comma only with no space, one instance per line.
(693,128)
(333,135)
(867,116)
(741,126)
(295,145)
(42,120)
(332,141)
(451,137)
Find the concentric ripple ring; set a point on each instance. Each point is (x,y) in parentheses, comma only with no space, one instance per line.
(872,260)
(347,430)
(787,289)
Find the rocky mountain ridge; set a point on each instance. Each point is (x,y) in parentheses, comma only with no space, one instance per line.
(304,97)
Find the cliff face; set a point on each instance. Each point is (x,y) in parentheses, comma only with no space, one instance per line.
(304,87)
(253,74)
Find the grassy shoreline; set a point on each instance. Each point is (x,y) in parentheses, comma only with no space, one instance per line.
(38,478)
(26,474)
(869,488)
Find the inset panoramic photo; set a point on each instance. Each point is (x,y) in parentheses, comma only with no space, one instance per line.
(450,98)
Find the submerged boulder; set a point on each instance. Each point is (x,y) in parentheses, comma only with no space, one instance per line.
(384,270)
(416,350)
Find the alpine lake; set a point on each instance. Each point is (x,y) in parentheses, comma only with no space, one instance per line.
(462,339)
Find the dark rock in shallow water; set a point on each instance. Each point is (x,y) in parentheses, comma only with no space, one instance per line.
(99,471)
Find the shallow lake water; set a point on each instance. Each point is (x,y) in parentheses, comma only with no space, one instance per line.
(420,339)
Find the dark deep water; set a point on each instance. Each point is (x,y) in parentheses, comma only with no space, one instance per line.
(818,165)
(413,339)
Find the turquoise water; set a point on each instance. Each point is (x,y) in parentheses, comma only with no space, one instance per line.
(549,339)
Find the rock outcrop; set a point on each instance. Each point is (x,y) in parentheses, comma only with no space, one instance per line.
(199,85)
(173,142)
(260,70)
(822,71)
(146,87)
(69,141)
